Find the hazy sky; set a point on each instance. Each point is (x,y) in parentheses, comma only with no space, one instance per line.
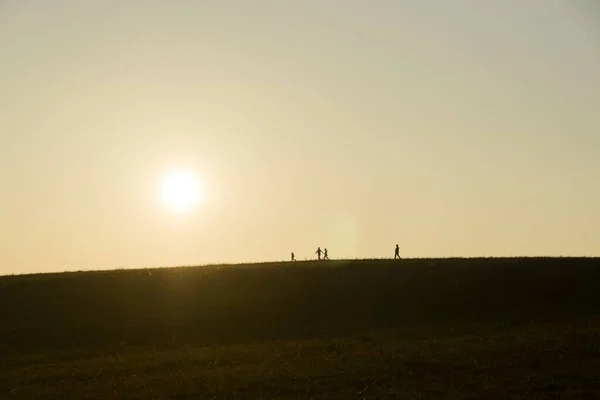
(453,128)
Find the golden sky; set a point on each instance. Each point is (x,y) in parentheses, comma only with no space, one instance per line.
(453,128)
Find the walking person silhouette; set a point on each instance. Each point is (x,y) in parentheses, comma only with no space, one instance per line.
(397,252)
(293,256)
(319,252)
(325,256)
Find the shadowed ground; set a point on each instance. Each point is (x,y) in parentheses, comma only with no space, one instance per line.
(456,328)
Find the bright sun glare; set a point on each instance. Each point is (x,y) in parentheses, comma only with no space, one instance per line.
(181,191)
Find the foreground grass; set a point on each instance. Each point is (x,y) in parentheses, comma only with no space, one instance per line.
(532,361)
(416,329)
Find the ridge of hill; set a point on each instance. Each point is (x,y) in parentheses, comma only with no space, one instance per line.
(241,303)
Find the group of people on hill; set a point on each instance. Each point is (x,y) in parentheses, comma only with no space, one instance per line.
(325,255)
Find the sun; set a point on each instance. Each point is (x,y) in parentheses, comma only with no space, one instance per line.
(181,191)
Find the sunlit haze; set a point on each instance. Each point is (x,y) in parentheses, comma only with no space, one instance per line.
(158,133)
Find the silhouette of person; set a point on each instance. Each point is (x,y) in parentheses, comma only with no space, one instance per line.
(325,256)
(397,252)
(318,252)
(293,256)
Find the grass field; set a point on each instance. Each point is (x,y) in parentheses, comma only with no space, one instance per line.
(372,329)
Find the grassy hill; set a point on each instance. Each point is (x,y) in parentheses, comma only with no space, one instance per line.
(452,328)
